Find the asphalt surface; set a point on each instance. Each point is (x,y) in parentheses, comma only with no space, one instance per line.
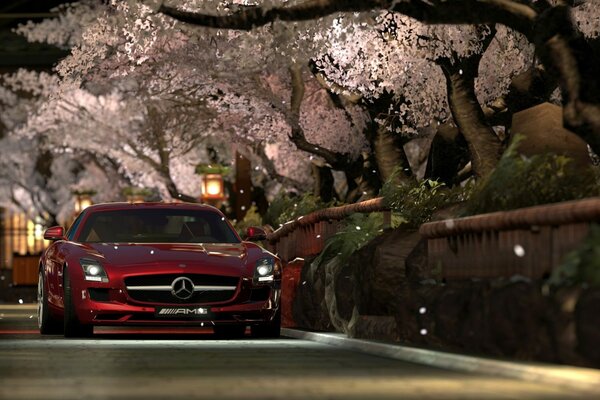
(189,364)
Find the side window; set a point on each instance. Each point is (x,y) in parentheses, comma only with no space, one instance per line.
(73,228)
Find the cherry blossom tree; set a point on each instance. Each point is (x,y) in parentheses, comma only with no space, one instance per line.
(549,25)
(290,84)
(164,69)
(35,179)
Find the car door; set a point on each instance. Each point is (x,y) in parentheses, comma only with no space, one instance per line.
(51,267)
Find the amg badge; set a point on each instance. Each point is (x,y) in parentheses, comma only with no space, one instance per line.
(182,312)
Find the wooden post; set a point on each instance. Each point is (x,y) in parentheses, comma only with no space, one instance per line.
(242,186)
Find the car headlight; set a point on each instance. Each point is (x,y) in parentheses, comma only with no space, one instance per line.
(266,269)
(93,270)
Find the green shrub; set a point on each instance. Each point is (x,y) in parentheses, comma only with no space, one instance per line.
(357,230)
(581,266)
(280,203)
(417,202)
(286,208)
(520,181)
(252,218)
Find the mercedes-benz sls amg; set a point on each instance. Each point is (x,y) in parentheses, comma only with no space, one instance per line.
(157,264)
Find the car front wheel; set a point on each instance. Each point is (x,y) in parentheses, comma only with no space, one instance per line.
(47,323)
(72,326)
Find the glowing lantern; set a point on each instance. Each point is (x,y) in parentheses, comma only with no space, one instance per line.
(83,200)
(212,187)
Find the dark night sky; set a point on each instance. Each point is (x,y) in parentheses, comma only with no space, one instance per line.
(15,51)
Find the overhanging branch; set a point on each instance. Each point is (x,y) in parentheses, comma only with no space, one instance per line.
(512,13)
(337,161)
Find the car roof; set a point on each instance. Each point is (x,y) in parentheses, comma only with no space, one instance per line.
(150,205)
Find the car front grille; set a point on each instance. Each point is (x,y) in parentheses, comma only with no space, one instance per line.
(157,288)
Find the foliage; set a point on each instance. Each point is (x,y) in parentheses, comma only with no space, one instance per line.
(520,181)
(357,231)
(252,218)
(202,169)
(416,203)
(137,85)
(286,208)
(280,203)
(84,192)
(136,191)
(581,266)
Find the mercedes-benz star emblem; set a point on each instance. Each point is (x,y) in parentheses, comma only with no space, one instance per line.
(182,288)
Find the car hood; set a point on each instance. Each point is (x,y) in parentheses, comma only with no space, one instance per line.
(232,255)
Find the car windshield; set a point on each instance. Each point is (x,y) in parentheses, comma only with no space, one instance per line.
(156,226)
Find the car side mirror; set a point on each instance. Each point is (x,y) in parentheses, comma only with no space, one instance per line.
(254,234)
(54,233)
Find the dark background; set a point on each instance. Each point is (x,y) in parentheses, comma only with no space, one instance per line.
(15,51)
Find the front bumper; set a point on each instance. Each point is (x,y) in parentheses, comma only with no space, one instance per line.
(118,308)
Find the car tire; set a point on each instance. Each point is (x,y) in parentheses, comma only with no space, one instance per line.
(47,323)
(72,326)
(268,330)
(230,331)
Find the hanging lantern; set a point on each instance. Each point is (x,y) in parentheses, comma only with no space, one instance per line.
(212,187)
(212,183)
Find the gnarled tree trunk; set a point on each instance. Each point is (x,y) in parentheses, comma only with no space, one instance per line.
(390,155)
(484,146)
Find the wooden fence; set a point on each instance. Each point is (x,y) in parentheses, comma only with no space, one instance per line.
(306,235)
(25,270)
(530,242)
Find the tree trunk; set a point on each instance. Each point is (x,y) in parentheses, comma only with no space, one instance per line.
(569,56)
(484,146)
(390,155)
(367,183)
(323,183)
(448,155)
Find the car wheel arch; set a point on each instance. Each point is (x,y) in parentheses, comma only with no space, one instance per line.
(64,268)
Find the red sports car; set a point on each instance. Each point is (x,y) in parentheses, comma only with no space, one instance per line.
(167,264)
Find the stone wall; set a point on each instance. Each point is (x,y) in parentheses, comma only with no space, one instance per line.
(387,292)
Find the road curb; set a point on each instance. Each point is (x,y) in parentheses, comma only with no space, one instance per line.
(565,376)
(16,307)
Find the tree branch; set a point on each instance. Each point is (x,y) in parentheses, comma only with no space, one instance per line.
(517,15)
(271,171)
(335,160)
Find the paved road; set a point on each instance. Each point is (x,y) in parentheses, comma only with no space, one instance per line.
(189,365)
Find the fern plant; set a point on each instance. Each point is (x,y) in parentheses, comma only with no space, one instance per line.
(357,230)
(417,202)
(581,266)
(252,218)
(285,208)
